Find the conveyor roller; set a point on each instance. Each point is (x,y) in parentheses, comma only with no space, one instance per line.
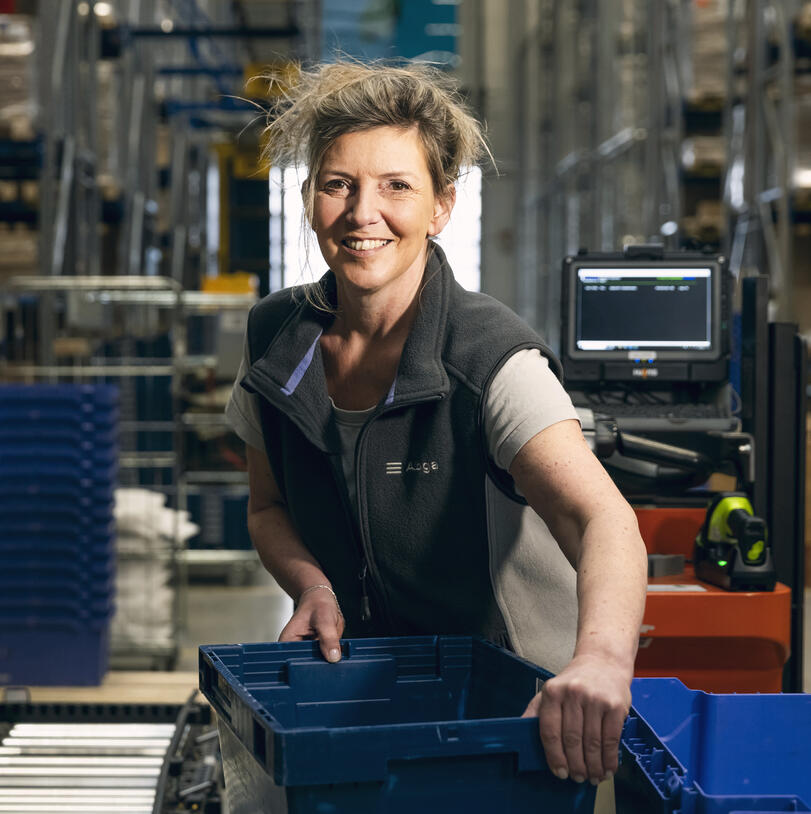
(84,767)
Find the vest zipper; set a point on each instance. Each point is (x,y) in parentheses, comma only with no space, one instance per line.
(366,548)
(365,609)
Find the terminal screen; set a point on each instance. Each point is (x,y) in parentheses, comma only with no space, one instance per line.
(657,308)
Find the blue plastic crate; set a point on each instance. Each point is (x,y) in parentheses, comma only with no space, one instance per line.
(25,498)
(86,470)
(56,513)
(59,455)
(77,421)
(49,537)
(21,547)
(68,395)
(57,508)
(15,434)
(55,653)
(57,487)
(400,725)
(66,522)
(50,576)
(37,579)
(20,556)
(31,587)
(689,752)
(36,608)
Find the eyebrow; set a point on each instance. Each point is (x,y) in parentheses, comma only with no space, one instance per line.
(394,174)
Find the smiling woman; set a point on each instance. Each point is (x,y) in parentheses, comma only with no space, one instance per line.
(297,260)
(344,98)
(398,425)
(375,209)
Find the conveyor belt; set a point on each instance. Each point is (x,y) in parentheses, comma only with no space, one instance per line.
(111,758)
(82,767)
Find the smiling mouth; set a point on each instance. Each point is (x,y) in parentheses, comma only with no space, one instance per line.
(363,245)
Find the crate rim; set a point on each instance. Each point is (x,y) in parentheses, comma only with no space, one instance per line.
(457,738)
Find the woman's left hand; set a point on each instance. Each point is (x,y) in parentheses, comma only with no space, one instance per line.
(581,712)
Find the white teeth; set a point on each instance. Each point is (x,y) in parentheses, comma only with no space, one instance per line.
(364,245)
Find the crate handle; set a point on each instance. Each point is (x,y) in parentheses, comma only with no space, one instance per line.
(209,686)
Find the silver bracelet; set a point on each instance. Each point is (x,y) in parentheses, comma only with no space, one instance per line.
(315,588)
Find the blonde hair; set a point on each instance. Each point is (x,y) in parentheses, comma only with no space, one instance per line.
(347,96)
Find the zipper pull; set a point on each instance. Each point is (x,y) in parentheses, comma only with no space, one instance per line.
(365,610)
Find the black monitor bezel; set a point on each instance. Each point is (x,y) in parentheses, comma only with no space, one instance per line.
(713,353)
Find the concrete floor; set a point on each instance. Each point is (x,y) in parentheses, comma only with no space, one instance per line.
(222,614)
(216,613)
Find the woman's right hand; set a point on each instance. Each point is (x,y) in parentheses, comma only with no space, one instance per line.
(317,616)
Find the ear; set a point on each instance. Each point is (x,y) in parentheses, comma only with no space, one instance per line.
(443,206)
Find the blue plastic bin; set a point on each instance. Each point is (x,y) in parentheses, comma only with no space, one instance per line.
(59,652)
(400,725)
(57,511)
(71,525)
(58,432)
(689,752)
(73,396)
(20,582)
(79,566)
(84,472)
(29,416)
(82,490)
(33,609)
(44,538)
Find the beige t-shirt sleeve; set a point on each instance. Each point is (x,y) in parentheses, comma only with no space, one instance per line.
(525,397)
(242,409)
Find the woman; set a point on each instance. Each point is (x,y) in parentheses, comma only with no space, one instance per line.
(397,426)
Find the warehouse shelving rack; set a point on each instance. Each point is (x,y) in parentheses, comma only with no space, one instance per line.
(608,99)
(598,130)
(760,134)
(70,205)
(160,469)
(168,69)
(77,308)
(186,76)
(213,485)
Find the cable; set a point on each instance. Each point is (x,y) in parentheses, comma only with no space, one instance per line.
(737,401)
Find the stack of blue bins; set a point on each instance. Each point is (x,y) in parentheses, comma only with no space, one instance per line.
(58,467)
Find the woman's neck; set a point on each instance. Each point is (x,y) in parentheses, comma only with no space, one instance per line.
(361,349)
(369,319)
(377,315)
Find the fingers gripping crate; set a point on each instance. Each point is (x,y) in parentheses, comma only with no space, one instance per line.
(690,752)
(429,724)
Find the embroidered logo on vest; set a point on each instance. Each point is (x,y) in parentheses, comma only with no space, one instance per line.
(400,468)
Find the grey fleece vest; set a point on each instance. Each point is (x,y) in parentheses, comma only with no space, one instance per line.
(418,563)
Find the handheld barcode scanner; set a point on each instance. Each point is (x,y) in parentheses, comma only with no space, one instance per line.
(732,549)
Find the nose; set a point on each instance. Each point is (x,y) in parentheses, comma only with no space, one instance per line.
(363,206)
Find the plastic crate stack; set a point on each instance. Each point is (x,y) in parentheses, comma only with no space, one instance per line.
(58,466)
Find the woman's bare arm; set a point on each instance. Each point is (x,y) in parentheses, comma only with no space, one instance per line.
(583,708)
(285,556)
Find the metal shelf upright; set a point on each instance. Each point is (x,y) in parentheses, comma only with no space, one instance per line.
(600,135)
(759,121)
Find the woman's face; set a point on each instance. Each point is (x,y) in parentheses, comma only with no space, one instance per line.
(375,207)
